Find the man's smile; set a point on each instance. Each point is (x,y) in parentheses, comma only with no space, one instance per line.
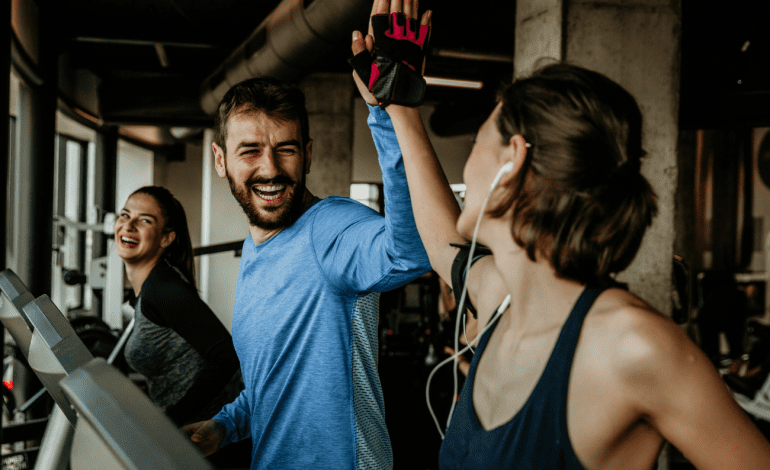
(273,193)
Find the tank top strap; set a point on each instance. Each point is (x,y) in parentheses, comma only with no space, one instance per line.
(557,369)
(559,364)
(570,332)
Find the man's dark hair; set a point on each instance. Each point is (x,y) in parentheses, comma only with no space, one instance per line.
(275,98)
(580,200)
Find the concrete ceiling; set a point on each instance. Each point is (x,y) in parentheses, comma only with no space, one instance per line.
(145,51)
(725,50)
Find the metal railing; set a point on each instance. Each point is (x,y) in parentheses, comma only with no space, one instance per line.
(235,246)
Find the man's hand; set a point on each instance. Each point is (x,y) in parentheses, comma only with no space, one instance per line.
(411,41)
(207,435)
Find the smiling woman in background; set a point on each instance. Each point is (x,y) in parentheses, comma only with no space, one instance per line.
(178,343)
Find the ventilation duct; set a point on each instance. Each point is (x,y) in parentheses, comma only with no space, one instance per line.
(293,37)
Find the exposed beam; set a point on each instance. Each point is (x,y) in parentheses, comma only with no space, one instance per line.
(140,42)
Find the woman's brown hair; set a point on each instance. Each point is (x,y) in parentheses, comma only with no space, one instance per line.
(580,200)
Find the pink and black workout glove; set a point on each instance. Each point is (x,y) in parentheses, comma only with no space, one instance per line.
(393,72)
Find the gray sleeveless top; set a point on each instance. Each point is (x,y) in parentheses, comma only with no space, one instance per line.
(160,354)
(179,345)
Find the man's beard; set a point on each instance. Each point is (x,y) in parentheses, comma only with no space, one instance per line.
(285,214)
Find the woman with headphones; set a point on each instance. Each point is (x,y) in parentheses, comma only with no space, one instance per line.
(571,371)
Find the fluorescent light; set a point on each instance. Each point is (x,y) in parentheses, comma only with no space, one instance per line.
(451,82)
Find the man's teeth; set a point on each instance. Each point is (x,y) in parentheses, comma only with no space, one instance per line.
(269,193)
(269,189)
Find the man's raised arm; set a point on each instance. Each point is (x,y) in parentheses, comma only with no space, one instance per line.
(433,203)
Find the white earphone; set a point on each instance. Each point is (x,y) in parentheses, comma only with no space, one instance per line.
(461,307)
(503,170)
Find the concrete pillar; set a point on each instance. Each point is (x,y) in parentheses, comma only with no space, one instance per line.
(32,227)
(635,43)
(329,100)
(539,33)
(34,166)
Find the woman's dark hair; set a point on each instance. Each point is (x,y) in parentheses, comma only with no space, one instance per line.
(580,200)
(277,99)
(180,252)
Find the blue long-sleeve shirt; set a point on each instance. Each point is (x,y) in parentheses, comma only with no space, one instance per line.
(305,327)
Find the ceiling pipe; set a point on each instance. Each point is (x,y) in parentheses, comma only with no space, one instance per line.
(140,42)
(296,35)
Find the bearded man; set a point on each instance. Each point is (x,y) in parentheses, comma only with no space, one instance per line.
(307,298)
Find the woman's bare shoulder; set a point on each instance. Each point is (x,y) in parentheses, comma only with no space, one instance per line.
(668,381)
(644,347)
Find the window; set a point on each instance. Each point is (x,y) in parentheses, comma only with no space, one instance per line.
(368,194)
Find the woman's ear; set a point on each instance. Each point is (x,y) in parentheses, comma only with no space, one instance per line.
(167,239)
(513,157)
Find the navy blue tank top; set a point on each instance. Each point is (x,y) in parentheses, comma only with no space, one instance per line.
(536,437)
